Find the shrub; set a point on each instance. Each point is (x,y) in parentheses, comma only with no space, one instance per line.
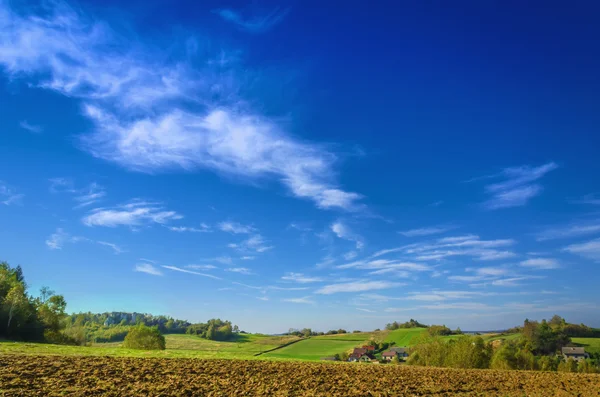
(144,338)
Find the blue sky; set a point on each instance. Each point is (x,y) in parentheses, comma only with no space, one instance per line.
(287,165)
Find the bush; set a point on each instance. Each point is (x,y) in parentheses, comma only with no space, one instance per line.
(144,338)
(439,330)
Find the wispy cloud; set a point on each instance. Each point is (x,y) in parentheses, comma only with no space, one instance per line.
(153,112)
(148,268)
(301,278)
(362,309)
(573,230)
(344,232)
(516,187)
(58,239)
(592,198)
(89,195)
(255,243)
(254,24)
(135,213)
(178,269)
(201,267)
(467,245)
(590,249)
(305,300)
(115,247)
(225,260)
(85,196)
(36,129)
(241,270)
(203,228)
(8,195)
(358,286)
(385,264)
(426,231)
(540,263)
(236,228)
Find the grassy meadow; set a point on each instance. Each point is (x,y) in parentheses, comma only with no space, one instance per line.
(591,345)
(250,346)
(244,346)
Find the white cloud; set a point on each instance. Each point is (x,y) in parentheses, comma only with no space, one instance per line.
(90,195)
(225,260)
(350,255)
(148,268)
(36,129)
(255,243)
(385,264)
(593,199)
(153,109)
(301,278)
(256,24)
(590,249)
(136,213)
(58,239)
(115,247)
(241,270)
(489,271)
(305,300)
(358,286)
(8,196)
(457,306)
(201,267)
(362,309)
(344,232)
(85,196)
(247,258)
(572,230)
(203,228)
(236,228)
(517,187)
(425,231)
(178,269)
(540,263)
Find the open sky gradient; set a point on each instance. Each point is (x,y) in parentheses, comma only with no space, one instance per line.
(305,164)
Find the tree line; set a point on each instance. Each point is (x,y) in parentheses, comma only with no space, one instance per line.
(27,317)
(537,348)
(42,318)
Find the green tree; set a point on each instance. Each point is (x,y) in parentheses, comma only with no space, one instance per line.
(15,303)
(211,333)
(145,338)
(587,367)
(568,366)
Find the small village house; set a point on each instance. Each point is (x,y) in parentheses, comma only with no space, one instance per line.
(389,355)
(401,351)
(360,354)
(576,353)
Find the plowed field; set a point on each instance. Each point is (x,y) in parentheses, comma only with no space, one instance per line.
(85,376)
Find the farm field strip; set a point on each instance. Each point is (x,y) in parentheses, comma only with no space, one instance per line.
(111,376)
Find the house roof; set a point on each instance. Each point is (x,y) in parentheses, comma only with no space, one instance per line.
(359,351)
(573,350)
(369,348)
(389,354)
(398,349)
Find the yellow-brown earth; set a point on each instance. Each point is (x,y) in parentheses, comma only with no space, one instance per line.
(85,376)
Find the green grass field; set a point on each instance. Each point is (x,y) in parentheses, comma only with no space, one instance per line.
(591,345)
(317,347)
(245,346)
(248,346)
